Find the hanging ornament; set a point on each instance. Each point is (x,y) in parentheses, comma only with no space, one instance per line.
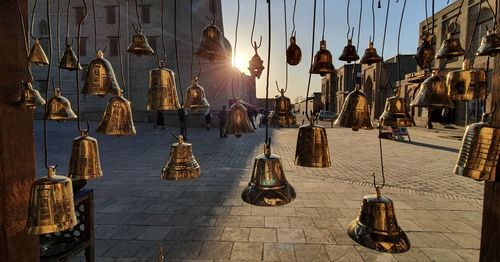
(349,53)
(212,43)
(396,113)
(256,64)
(59,108)
(370,56)
(69,60)
(433,93)
(312,146)
(322,64)
(195,96)
(100,78)
(490,44)
(425,52)
(355,113)
(117,119)
(37,55)
(139,45)
(162,92)
(450,48)
(84,162)
(30,97)
(468,83)
(237,120)
(181,165)
(293,52)
(283,113)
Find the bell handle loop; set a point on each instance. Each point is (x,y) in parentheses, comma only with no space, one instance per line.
(255,46)
(267,148)
(84,131)
(378,187)
(51,171)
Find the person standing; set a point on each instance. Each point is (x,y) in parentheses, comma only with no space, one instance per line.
(208,118)
(222,121)
(251,117)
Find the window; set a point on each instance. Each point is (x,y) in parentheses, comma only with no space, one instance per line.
(83,45)
(111,14)
(113,45)
(79,13)
(485,21)
(145,18)
(152,42)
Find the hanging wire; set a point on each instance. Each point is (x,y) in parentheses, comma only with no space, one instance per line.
(474,31)
(78,44)
(58,44)
(293,17)
(45,143)
(177,52)
(122,72)
(357,43)
(253,24)
(235,43)
(348,22)
(162,13)
(426,16)
(399,38)
(192,37)
(385,28)
(67,22)
(373,21)
(137,13)
(286,41)
(323,33)
(494,12)
(25,38)
(310,118)
(268,139)
(433,13)
(455,27)
(32,31)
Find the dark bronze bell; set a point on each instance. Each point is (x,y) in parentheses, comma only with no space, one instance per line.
(140,45)
(312,146)
(59,108)
(84,162)
(355,112)
(450,48)
(349,54)
(195,96)
(256,65)
(468,83)
(376,226)
(293,52)
(30,97)
(396,113)
(51,208)
(490,44)
(322,64)
(162,92)
(212,43)
(425,52)
(37,55)
(237,120)
(181,164)
(268,185)
(69,61)
(100,78)
(283,114)
(433,93)
(480,151)
(370,56)
(117,119)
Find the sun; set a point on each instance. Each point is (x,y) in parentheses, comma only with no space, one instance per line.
(241,62)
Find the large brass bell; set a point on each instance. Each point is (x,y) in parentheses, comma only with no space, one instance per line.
(100,78)
(450,48)
(37,55)
(84,162)
(140,45)
(30,97)
(237,120)
(396,113)
(69,61)
(256,64)
(433,93)
(349,54)
(370,56)
(195,96)
(490,44)
(51,208)
(312,146)
(212,43)
(323,62)
(162,92)
(480,151)
(293,52)
(425,52)
(468,83)
(59,108)
(117,119)
(181,164)
(355,112)
(268,185)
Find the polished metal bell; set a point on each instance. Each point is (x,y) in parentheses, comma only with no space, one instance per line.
(268,185)
(30,97)
(293,52)
(256,65)
(52,207)
(237,120)
(162,92)
(312,146)
(212,43)
(117,119)
(181,164)
(450,48)
(376,226)
(283,114)
(468,83)
(370,56)
(100,78)
(140,45)
(322,64)
(480,151)
(396,113)
(425,52)
(349,54)
(59,108)
(282,120)
(282,104)
(355,112)
(84,162)
(69,61)
(37,55)
(433,93)
(490,44)
(195,96)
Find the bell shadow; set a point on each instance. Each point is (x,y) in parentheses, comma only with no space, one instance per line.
(444,148)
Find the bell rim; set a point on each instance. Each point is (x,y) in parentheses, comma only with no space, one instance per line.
(47,229)
(372,243)
(288,194)
(177,175)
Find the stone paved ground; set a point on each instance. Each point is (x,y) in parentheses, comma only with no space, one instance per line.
(205,219)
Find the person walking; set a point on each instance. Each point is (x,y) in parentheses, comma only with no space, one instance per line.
(251,117)
(208,118)
(222,122)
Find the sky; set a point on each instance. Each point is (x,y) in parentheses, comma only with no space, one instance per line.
(335,34)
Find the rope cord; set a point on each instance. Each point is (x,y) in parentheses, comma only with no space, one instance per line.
(33,21)
(253,24)
(347,18)
(426,16)
(77,73)
(357,43)
(399,38)
(494,12)
(456,18)
(235,43)
(293,17)
(45,142)
(474,30)
(312,57)
(268,66)
(137,13)
(373,21)
(286,41)
(58,44)
(323,33)
(433,13)
(23,28)
(119,48)
(67,22)
(192,37)
(177,52)
(162,14)
(95,26)
(385,29)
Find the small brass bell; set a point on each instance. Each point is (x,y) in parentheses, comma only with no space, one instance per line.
(450,48)
(322,64)
(181,164)
(425,52)
(237,120)
(212,43)
(433,93)
(30,97)
(349,54)
(140,45)
(162,92)
(396,113)
(468,83)
(51,208)
(256,64)
(283,115)
(100,78)
(490,44)
(195,96)
(84,162)
(480,151)
(370,56)
(117,119)
(282,104)
(293,52)
(268,185)
(59,108)
(312,146)
(355,112)
(37,55)
(69,61)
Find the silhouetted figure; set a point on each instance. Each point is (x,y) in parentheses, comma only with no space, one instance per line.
(208,118)
(183,115)
(222,121)
(159,119)
(251,117)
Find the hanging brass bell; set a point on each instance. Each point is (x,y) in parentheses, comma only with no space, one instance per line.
(282,114)
(468,83)
(370,56)
(162,92)
(181,164)
(256,65)
(195,96)
(480,151)
(212,43)
(117,119)
(355,112)
(30,97)
(140,45)
(433,93)
(84,162)
(450,48)
(349,54)
(376,226)
(425,52)
(100,78)
(490,44)
(282,104)
(51,208)
(312,146)
(268,185)
(293,52)
(396,113)
(59,108)
(37,55)
(69,61)
(322,64)
(237,120)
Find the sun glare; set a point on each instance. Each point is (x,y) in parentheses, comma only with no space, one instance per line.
(241,62)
